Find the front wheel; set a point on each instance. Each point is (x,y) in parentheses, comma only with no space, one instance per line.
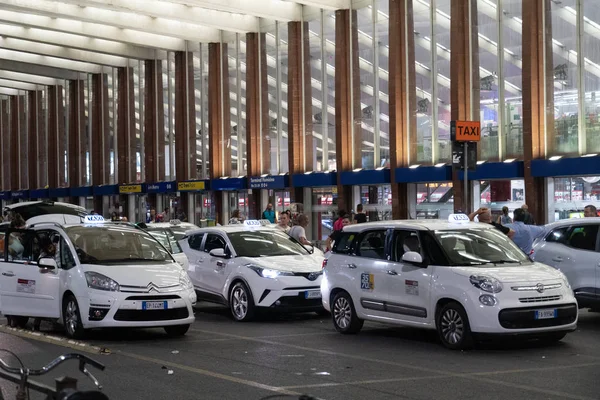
(72,318)
(177,330)
(241,302)
(453,327)
(344,315)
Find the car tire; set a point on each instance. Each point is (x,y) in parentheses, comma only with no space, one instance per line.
(177,330)
(72,318)
(343,314)
(241,302)
(453,327)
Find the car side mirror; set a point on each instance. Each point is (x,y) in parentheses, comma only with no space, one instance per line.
(219,253)
(413,257)
(47,264)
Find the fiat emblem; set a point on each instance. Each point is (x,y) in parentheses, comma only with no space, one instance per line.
(540,288)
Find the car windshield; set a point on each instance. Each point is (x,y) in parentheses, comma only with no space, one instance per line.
(113,244)
(265,244)
(166,238)
(479,247)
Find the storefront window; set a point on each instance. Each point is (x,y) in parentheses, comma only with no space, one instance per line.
(435,200)
(591,81)
(324,211)
(377,202)
(572,195)
(498,194)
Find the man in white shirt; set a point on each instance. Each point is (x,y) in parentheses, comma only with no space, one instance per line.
(283,222)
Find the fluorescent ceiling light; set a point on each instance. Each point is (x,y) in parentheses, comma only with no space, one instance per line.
(357,169)
(414,166)
(509,160)
(440,164)
(554,158)
(590,155)
(480,162)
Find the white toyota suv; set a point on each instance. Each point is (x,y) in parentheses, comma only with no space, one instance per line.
(461,278)
(250,267)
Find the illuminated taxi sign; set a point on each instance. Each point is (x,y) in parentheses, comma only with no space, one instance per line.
(458,219)
(94,219)
(190,186)
(175,222)
(252,222)
(264,222)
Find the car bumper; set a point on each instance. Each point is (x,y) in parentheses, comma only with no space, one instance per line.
(117,309)
(515,318)
(290,293)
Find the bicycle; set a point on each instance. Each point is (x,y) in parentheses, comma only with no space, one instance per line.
(65,387)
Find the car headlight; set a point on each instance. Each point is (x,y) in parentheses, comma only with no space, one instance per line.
(486,283)
(101,282)
(269,273)
(184,280)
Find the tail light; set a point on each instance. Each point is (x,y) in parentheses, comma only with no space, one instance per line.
(324,263)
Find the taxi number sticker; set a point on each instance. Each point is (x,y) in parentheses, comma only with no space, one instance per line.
(25,286)
(367,281)
(412,287)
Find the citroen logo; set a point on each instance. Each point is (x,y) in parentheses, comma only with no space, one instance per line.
(540,288)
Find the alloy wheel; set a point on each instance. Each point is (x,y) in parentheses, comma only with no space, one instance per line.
(342,313)
(71,317)
(240,302)
(453,326)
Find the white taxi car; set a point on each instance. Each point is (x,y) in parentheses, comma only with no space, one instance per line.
(249,266)
(93,275)
(461,278)
(573,247)
(47,211)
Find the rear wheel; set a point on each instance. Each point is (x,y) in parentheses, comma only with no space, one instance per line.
(241,302)
(177,330)
(453,327)
(344,315)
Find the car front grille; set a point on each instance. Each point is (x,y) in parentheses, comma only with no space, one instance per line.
(539,299)
(151,315)
(524,318)
(155,298)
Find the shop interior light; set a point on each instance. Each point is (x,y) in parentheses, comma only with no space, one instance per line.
(590,155)
(554,158)
(308,172)
(379,168)
(440,164)
(480,162)
(509,160)
(264,175)
(414,166)
(357,169)
(224,177)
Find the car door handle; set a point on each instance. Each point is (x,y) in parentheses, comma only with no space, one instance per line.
(9,273)
(352,266)
(220,264)
(557,259)
(392,272)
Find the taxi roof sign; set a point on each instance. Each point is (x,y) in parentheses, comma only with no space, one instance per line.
(175,222)
(94,219)
(252,222)
(458,219)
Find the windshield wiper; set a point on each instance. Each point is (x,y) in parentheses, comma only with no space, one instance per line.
(506,262)
(116,260)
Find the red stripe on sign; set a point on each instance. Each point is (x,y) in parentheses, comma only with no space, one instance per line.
(25,281)
(411,283)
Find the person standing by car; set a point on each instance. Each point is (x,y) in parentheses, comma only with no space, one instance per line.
(338,224)
(528,217)
(360,216)
(590,211)
(298,231)
(525,235)
(269,214)
(485,217)
(283,222)
(336,233)
(236,218)
(504,218)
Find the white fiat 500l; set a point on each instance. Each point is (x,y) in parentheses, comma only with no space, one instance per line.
(573,247)
(248,267)
(93,275)
(461,278)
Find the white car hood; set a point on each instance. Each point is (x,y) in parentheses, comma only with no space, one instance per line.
(161,275)
(520,273)
(307,263)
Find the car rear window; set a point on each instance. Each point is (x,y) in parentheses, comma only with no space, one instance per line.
(35,210)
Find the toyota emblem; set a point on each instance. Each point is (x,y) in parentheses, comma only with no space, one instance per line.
(540,288)
(312,276)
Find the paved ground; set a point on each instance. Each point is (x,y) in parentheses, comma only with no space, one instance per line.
(221,359)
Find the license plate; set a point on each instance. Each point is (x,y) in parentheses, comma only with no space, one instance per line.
(312,294)
(154,305)
(545,314)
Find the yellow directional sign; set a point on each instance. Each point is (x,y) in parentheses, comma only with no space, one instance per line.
(190,186)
